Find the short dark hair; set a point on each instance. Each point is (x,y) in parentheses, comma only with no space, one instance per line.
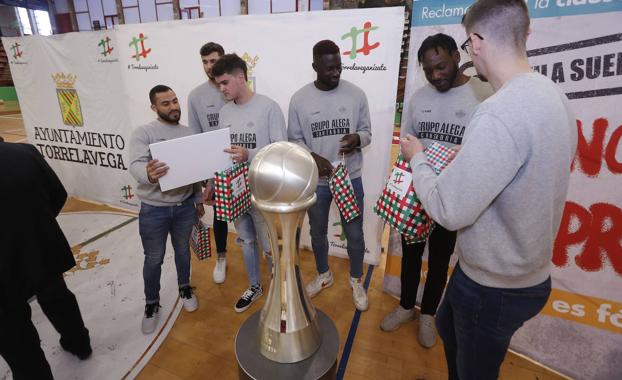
(228,64)
(325,47)
(437,41)
(504,21)
(210,48)
(157,90)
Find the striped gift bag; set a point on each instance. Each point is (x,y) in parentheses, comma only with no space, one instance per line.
(200,242)
(232,193)
(399,206)
(343,193)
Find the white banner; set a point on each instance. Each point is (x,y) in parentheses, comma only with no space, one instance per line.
(110,75)
(71,98)
(579,47)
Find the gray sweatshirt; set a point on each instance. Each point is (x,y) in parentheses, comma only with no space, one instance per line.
(148,192)
(506,189)
(318,120)
(204,104)
(442,117)
(254,124)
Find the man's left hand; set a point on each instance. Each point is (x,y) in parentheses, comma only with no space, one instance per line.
(349,143)
(238,153)
(410,146)
(200,210)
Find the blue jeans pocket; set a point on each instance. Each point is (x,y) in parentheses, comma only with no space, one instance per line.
(520,305)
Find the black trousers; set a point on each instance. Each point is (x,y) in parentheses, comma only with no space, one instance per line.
(221,229)
(19,341)
(441,245)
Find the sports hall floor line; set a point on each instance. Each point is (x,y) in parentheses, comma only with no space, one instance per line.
(111,229)
(345,356)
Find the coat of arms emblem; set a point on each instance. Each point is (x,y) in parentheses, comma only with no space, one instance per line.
(68,100)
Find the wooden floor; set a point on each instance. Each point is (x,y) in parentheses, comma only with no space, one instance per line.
(11,124)
(200,345)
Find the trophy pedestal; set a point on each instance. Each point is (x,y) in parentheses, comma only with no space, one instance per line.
(253,365)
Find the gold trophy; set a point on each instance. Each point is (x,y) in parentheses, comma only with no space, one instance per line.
(283,177)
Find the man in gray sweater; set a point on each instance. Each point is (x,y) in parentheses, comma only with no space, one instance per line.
(254,121)
(438,112)
(204,104)
(330,118)
(504,193)
(162,212)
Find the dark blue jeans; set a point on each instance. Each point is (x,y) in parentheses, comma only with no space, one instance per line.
(476,323)
(154,224)
(318,223)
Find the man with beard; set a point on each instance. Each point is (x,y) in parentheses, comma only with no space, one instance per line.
(254,121)
(204,104)
(438,112)
(174,211)
(504,193)
(330,118)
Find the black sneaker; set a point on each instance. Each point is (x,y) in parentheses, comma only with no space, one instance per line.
(151,317)
(249,296)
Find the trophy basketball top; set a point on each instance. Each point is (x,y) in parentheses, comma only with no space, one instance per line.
(282,178)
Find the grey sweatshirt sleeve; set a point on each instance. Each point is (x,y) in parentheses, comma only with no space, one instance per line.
(193,118)
(139,155)
(294,126)
(278,129)
(364,125)
(407,125)
(485,165)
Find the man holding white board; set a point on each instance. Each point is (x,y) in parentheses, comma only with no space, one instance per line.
(163,212)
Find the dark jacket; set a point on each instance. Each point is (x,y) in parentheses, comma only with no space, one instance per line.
(33,248)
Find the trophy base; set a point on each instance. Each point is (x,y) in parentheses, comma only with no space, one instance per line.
(253,365)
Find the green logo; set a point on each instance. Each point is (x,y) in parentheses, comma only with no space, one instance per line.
(354,33)
(140,50)
(341,236)
(105,45)
(15,50)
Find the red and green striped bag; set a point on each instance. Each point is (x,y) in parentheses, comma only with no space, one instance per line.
(233,195)
(200,242)
(343,193)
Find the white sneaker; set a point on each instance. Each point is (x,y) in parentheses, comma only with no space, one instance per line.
(188,298)
(322,281)
(427,331)
(359,294)
(394,319)
(220,270)
(151,317)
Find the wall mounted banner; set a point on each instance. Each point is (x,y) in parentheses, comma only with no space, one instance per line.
(578,45)
(82,94)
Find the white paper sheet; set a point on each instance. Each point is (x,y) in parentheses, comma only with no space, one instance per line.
(192,158)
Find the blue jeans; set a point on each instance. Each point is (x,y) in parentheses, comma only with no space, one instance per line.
(477,322)
(249,228)
(318,223)
(154,225)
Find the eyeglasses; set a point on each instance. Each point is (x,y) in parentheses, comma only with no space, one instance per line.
(468,41)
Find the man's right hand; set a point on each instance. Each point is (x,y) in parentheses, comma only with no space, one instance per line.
(156,170)
(324,167)
(208,195)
